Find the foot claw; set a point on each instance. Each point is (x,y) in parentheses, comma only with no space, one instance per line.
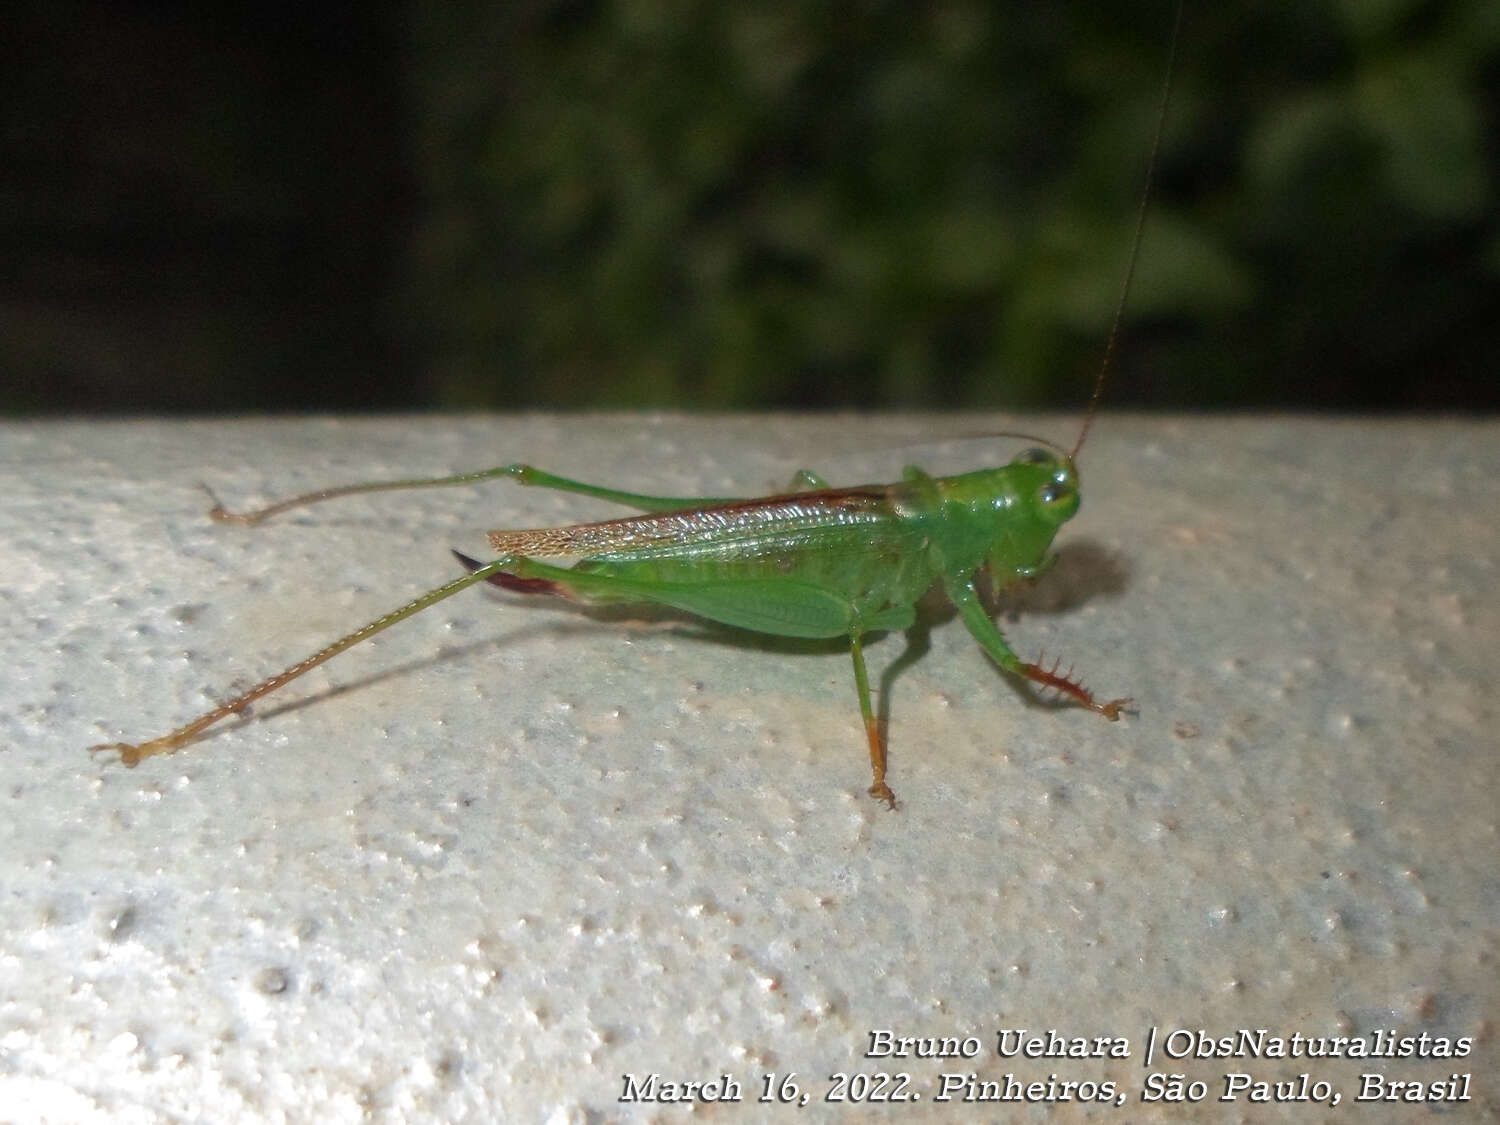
(882,792)
(129,754)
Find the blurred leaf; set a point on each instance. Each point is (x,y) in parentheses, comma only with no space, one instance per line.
(1430,132)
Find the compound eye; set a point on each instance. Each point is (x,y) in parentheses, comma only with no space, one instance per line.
(1035,457)
(1054,491)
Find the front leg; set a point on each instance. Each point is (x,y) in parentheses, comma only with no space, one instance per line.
(992,641)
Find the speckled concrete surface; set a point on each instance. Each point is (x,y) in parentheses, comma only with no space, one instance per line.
(509,853)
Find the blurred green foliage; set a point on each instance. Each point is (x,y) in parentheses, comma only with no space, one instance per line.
(689,203)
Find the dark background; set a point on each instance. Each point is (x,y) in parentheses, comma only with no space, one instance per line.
(703,204)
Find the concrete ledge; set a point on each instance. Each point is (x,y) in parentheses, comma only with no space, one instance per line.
(509,852)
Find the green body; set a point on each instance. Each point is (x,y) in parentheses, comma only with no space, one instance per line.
(826,562)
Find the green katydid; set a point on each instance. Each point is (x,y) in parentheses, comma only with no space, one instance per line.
(812,562)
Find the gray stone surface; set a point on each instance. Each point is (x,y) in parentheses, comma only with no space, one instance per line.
(509,852)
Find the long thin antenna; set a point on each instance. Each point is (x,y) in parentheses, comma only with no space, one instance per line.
(1135,243)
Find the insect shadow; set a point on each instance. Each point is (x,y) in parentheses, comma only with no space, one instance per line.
(447,654)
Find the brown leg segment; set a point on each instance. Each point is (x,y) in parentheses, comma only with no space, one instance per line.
(878,788)
(1066,685)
